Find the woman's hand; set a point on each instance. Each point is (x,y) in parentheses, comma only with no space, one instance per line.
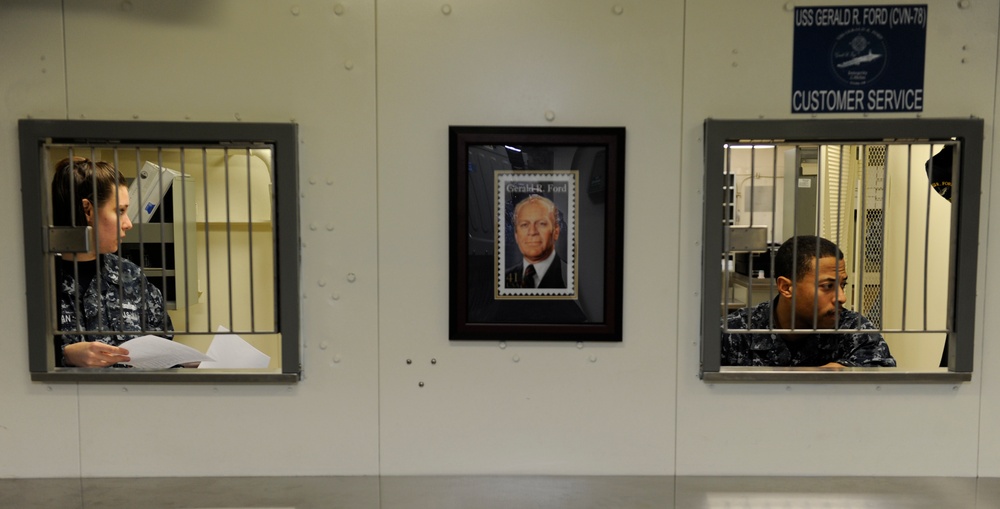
(94,354)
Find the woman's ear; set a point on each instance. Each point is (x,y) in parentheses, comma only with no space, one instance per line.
(784,286)
(88,210)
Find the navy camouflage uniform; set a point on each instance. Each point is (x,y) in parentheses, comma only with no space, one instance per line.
(123,309)
(808,349)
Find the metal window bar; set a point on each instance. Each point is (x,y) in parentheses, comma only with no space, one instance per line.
(927,236)
(250,236)
(774,223)
(229,240)
(183,266)
(208,251)
(139,228)
(184,236)
(871,231)
(906,241)
(163,245)
(728,202)
(882,231)
(838,218)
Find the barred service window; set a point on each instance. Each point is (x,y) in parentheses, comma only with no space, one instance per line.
(840,250)
(161,251)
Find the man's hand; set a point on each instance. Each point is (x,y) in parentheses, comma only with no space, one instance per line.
(833,365)
(94,354)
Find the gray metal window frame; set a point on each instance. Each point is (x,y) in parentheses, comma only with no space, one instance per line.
(965,238)
(35,133)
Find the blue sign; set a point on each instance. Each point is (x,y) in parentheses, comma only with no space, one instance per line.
(860,59)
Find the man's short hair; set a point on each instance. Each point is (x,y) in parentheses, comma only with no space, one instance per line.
(550,207)
(804,248)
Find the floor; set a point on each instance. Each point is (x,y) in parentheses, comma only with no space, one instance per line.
(503,492)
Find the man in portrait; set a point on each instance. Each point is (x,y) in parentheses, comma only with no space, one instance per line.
(536,230)
(810,276)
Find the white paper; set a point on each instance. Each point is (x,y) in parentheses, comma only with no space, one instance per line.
(153,352)
(231,351)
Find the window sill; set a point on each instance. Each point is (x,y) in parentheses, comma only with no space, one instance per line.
(178,375)
(826,375)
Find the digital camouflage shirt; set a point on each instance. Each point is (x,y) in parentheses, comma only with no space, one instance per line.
(125,304)
(807,349)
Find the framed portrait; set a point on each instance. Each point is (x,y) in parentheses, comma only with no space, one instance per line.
(536,233)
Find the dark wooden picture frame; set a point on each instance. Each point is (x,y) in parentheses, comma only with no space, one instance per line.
(571,181)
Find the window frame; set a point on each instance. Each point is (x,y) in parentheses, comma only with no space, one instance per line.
(965,198)
(35,133)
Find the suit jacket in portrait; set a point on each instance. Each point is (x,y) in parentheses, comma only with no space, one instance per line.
(553,278)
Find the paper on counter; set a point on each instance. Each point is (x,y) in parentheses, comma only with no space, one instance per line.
(154,352)
(231,351)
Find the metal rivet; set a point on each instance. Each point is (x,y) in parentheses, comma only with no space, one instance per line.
(321,283)
(409,361)
(335,296)
(618,10)
(312,180)
(338,9)
(434,361)
(295,10)
(446,9)
(323,345)
(48,388)
(789,6)
(351,278)
(312,226)
(964,4)
(336,359)
(421,384)
(124,389)
(134,116)
(237,116)
(550,115)
(579,344)
(503,345)
(348,64)
(593,358)
(329,181)
(329,227)
(516,358)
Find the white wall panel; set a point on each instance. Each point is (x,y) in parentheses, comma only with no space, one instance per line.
(507,63)
(736,68)
(39,426)
(255,61)
(989,440)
